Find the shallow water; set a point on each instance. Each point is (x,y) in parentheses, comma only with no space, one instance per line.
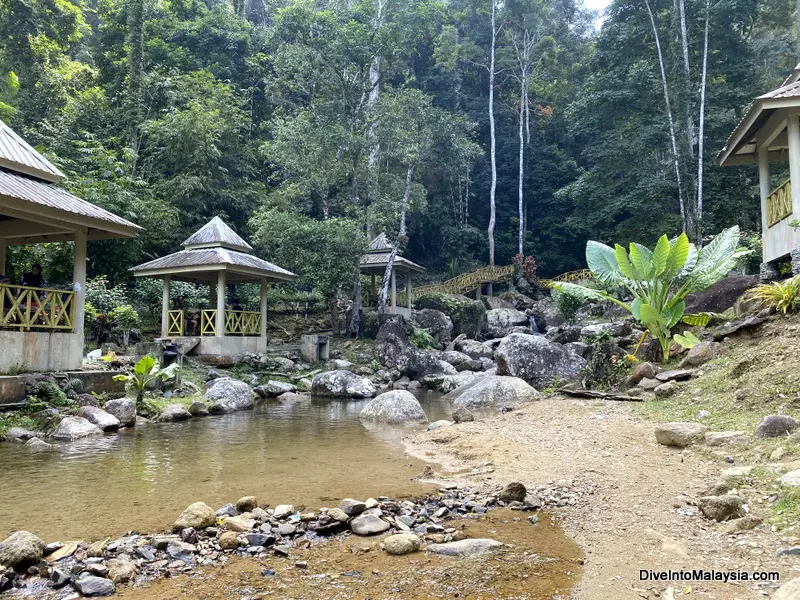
(311,452)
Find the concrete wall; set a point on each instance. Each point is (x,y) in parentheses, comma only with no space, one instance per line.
(14,388)
(40,351)
(780,239)
(230,346)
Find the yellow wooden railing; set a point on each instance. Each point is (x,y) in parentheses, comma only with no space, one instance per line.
(176,323)
(571,277)
(208,322)
(239,322)
(466,281)
(26,308)
(779,203)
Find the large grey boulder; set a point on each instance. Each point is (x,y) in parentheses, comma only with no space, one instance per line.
(124,410)
(461,361)
(789,590)
(230,393)
(21,548)
(466,314)
(342,384)
(198,515)
(680,435)
(173,413)
(75,428)
(495,391)
(401,543)
(368,524)
(99,417)
(91,585)
(615,329)
(448,383)
(700,354)
(466,548)
(436,322)
(500,320)
(537,360)
(775,426)
(474,349)
(273,389)
(394,350)
(394,408)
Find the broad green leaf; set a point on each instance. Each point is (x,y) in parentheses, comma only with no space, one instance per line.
(641,259)
(677,257)
(691,261)
(650,316)
(697,319)
(624,263)
(602,262)
(145,365)
(636,308)
(581,292)
(687,340)
(660,255)
(715,260)
(674,313)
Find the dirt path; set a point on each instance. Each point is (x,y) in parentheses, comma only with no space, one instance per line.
(635,507)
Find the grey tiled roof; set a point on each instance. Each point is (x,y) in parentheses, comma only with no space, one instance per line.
(380,260)
(17,155)
(213,256)
(217,232)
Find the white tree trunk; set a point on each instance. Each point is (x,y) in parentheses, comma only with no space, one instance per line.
(673,140)
(522,98)
(401,236)
(701,130)
(492,140)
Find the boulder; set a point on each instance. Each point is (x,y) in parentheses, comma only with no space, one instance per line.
(500,320)
(665,390)
(173,413)
(282,511)
(342,384)
(680,435)
(123,409)
(494,391)
(615,329)
(75,428)
(99,417)
(229,540)
(581,349)
(246,504)
(462,415)
(466,314)
(722,508)
(789,590)
(239,523)
(198,409)
(351,507)
(21,549)
(792,478)
(90,586)
(644,370)
(513,492)
(401,543)
(723,438)
(368,524)
(198,516)
(474,349)
(393,408)
(674,375)
(36,444)
(466,548)
(439,424)
(337,514)
(775,426)
(391,341)
(394,350)
(437,323)
(492,302)
(564,334)
(121,570)
(278,363)
(86,400)
(273,389)
(338,364)
(700,354)
(516,300)
(721,296)
(461,361)
(537,360)
(230,393)
(19,434)
(448,383)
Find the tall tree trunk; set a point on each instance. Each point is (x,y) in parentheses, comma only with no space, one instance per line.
(372,129)
(135,76)
(701,131)
(798,29)
(673,139)
(401,239)
(522,102)
(493,141)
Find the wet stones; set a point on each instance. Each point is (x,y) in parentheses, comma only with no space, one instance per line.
(198,515)
(198,409)
(466,548)
(100,418)
(342,384)
(20,549)
(124,410)
(75,428)
(172,413)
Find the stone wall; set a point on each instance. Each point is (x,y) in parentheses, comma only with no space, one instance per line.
(26,351)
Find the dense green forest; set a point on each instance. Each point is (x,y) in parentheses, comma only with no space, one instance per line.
(305,123)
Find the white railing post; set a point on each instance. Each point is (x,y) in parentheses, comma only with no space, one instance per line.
(221,304)
(263,331)
(79,280)
(165,306)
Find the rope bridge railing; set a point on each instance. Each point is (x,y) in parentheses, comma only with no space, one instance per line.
(27,308)
(571,277)
(466,281)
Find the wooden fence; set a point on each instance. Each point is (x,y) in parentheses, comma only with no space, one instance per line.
(27,308)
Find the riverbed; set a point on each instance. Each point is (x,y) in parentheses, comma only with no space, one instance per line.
(311,452)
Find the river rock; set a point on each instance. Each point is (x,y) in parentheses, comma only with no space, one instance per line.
(99,417)
(282,511)
(352,507)
(743,524)
(229,540)
(121,570)
(173,413)
(124,410)
(75,428)
(36,444)
(500,320)
(436,322)
(198,515)
(537,360)
(722,508)
(615,329)
(239,523)
(474,349)
(394,408)
(723,438)
(273,389)
(461,361)
(789,590)
(90,586)
(401,543)
(700,354)
(18,434)
(20,549)
(198,409)
(665,390)
(679,434)
(230,393)
(449,383)
(645,370)
(792,478)
(342,384)
(495,391)
(246,504)
(337,514)
(513,492)
(466,314)
(462,415)
(466,548)
(439,424)
(775,426)
(368,524)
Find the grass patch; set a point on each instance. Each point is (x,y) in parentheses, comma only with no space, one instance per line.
(786,510)
(15,419)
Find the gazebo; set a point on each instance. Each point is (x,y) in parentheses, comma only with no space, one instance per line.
(41,329)
(374,263)
(770,132)
(215,255)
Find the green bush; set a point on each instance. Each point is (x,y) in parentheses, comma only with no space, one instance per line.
(102,296)
(422,338)
(567,304)
(125,318)
(467,314)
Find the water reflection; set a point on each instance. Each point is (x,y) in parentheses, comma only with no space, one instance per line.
(299,452)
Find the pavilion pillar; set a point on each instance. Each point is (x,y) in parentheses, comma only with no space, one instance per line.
(221,304)
(79,279)
(264,308)
(408,290)
(764,187)
(165,306)
(394,290)
(2,255)
(793,131)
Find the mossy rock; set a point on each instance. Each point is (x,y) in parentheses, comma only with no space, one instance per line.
(467,314)
(373,321)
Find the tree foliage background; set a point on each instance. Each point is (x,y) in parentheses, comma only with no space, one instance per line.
(275,114)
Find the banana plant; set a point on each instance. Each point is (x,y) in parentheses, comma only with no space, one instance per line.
(660,279)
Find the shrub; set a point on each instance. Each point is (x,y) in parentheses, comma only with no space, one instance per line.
(102,296)
(783,296)
(567,304)
(526,266)
(422,338)
(125,319)
(467,314)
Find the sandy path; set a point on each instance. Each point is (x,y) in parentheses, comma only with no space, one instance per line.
(636,509)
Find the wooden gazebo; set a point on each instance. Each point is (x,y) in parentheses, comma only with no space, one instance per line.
(216,255)
(374,263)
(41,329)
